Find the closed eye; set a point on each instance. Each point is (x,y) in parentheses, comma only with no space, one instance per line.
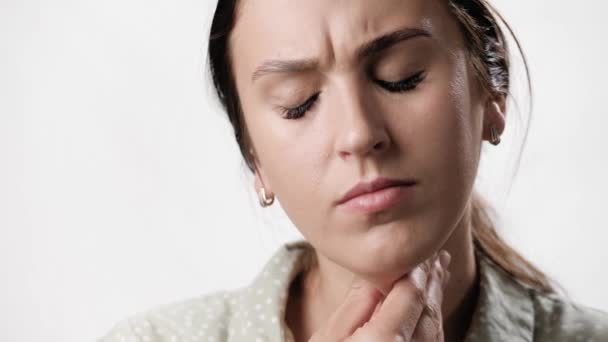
(299,111)
(408,84)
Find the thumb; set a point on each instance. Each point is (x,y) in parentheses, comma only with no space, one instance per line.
(356,309)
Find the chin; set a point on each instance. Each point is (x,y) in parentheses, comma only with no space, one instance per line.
(389,253)
(384,274)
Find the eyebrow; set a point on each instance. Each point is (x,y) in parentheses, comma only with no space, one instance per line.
(378,44)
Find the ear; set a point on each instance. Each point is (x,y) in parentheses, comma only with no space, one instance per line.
(494,115)
(258,175)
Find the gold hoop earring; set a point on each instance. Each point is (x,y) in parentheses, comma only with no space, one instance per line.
(265,201)
(495,139)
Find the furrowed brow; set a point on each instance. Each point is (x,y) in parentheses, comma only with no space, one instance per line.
(283,66)
(376,45)
(387,40)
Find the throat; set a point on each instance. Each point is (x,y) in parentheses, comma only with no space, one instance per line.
(307,308)
(315,294)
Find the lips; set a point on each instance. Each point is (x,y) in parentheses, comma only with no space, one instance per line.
(377,184)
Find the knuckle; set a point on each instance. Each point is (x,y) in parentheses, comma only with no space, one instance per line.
(429,329)
(426,266)
(412,292)
(439,273)
(434,316)
(418,296)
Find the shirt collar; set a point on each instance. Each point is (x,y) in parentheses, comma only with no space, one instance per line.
(504,309)
(268,293)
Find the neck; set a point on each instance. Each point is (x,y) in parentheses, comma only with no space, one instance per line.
(316,293)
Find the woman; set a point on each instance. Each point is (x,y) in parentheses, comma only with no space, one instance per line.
(366,119)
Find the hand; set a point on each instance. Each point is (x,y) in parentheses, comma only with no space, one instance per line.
(411,311)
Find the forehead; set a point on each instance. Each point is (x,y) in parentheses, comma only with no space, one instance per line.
(328,30)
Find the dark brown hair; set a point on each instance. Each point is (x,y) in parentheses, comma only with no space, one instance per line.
(489,56)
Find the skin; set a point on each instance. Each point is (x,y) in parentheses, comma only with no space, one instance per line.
(357,130)
(410,311)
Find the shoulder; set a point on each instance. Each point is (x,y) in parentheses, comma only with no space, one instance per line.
(205,317)
(249,313)
(561,319)
(510,308)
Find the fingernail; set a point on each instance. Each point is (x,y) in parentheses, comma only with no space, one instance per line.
(444,259)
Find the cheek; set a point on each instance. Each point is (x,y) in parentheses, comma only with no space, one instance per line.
(293,162)
(444,137)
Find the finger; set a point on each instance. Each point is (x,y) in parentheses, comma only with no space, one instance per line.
(429,328)
(355,310)
(440,269)
(445,259)
(430,325)
(378,306)
(404,304)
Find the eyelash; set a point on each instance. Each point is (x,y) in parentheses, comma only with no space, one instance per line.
(407,84)
(402,86)
(299,111)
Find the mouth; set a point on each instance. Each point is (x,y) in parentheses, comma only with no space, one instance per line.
(377,195)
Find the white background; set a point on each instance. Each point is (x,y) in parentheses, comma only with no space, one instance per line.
(121,187)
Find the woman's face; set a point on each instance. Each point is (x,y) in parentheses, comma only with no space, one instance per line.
(324,110)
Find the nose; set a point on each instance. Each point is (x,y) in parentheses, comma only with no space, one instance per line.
(362,128)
